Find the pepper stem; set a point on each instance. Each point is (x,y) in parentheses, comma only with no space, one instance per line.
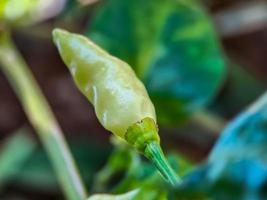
(154,153)
(143,136)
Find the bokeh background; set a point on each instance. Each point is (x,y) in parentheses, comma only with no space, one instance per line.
(241,29)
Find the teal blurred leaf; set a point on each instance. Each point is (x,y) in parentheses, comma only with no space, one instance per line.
(172,47)
(237,166)
(27,12)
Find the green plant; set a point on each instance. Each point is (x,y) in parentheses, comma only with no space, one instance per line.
(164,50)
(174,51)
(33,101)
(121,102)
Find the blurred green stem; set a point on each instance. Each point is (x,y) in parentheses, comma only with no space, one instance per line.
(41,117)
(211,122)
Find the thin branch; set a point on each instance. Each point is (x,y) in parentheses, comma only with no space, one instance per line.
(209,121)
(41,117)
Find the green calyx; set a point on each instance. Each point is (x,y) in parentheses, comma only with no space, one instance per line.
(143,136)
(142,133)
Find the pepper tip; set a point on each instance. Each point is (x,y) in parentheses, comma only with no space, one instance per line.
(57,32)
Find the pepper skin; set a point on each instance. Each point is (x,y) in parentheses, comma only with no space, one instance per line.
(119,97)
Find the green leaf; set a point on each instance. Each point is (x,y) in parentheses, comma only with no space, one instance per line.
(172,46)
(14,154)
(237,166)
(38,173)
(136,173)
(26,12)
(150,183)
(11,10)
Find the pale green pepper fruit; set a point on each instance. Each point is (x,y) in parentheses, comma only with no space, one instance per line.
(120,99)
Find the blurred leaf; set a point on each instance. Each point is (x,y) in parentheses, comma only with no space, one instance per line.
(149,181)
(172,47)
(14,154)
(38,173)
(127,196)
(11,10)
(146,178)
(24,12)
(136,173)
(237,166)
(121,160)
(152,185)
(240,89)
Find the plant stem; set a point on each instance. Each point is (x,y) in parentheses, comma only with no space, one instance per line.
(41,117)
(154,153)
(207,120)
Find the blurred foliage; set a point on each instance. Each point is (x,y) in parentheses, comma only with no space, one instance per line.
(241,88)
(172,47)
(27,12)
(38,167)
(126,171)
(237,166)
(15,152)
(17,11)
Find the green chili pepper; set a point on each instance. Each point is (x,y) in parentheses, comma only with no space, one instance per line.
(120,99)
